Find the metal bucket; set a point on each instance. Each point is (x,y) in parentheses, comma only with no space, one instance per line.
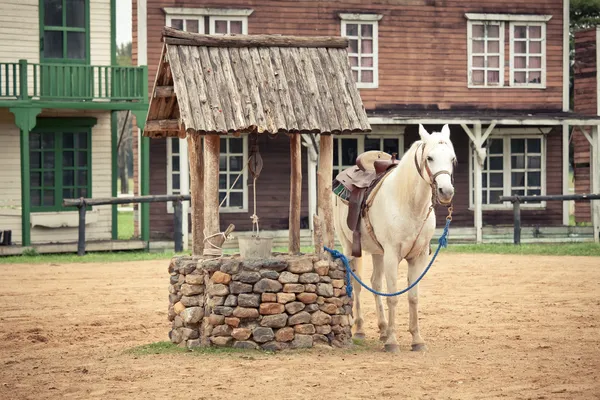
(255,247)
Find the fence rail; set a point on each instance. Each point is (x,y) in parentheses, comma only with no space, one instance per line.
(517,200)
(83,203)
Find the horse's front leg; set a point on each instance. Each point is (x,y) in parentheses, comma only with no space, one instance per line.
(391,261)
(415,269)
(356,265)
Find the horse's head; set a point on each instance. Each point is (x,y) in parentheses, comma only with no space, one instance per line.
(435,161)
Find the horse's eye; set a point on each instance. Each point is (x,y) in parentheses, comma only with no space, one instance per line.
(429,158)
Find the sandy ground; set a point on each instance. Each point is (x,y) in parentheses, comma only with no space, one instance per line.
(496,327)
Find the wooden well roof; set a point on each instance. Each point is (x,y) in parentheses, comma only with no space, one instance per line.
(254,83)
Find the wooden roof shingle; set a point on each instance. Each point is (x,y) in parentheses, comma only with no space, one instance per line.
(254,83)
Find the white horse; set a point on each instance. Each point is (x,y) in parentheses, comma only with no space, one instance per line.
(403,223)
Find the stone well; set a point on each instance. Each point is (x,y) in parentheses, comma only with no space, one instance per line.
(274,304)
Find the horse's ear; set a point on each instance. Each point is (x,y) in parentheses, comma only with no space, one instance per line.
(446,131)
(423,133)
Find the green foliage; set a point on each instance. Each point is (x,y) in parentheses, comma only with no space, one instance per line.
(170,348)
(125,219)
(551,249)
(124,54)
(30,252)
(584,14)
(116,256)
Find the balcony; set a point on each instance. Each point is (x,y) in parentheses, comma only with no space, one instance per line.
(73,86)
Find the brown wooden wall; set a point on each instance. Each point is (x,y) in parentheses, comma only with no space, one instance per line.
(585,102)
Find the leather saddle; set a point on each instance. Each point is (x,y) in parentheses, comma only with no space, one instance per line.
(354,184)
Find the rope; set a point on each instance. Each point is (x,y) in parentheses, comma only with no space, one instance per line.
(443,242)
(254,217)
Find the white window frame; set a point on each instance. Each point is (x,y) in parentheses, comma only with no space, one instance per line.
(470,55)
(506,135)
(213,18)
(365,19)
(542,84)
(234,175)
(199,13)
(184,17)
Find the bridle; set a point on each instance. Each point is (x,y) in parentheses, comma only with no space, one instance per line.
(432,182)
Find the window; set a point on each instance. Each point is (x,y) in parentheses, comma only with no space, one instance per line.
(347,148)
(60,154)
(64,30)
(486,53)
(227,25)
(528,54)
(486,38)
(513,166)
(362,33)
(188,24)
(209,20)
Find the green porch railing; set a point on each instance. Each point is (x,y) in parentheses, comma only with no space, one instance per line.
(72,82)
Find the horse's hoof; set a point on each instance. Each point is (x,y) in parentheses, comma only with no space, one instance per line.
(359,336)
(419,347)
(383,338)
(392,348)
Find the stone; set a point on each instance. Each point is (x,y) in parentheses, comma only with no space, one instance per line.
(221,278)
(245,344)
(248,300)
(191,301)
(173,266)
(219,290)
(335,300)
(216,301)
(348,309)
(192,315)
(175,335)
(322,267)
(338,292)
(268,297)
(194,343)
(241,333)
(195,279)
(305,329)
(325,279)
(323,329)
(274,321)
(211,265)
(340,320)
(267,285)
(174,279)
(336,274)
(275,264)
(270,274)
(262,334)
(285,334)
(178,307)
(325,289)
(274,346)
(337,283)
(230,267)
(215,319)
(294,307)
(188,333)
(307,298)
(293,288)
(191,290)
(188,267)
(337,329)
(248,277)
(242,312)
(302,341)
(240,287)
(288,277)
(171,314)
(320,318)
(320,339)
(309,277)
(173,289)
(222,330)
(222,310)
(174,298)
(284,298)
(300,266)
(232,321)
(271,308)
(301,318)
(311,307)
(177,322)
(310,288)
(222,341)
(231,300)
(329,308)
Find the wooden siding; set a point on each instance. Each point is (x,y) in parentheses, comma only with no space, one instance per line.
(19,30)
(10,181)
(585,102)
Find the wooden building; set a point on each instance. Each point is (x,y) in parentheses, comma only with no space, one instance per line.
(496,71)
(60,89)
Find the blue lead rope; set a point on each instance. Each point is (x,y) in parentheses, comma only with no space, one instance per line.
(443,242)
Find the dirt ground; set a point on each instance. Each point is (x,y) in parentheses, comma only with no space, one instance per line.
(496,327)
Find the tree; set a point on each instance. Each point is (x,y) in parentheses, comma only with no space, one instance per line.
(124,54)
(584,14)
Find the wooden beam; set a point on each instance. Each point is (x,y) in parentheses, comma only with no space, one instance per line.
(162,125)
(325,174)
(295,193)
(212,151)
(478,212)
(487,132)
(177,37)
(164,91)
(196,161)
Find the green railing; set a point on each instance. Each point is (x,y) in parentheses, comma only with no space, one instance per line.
(69,82)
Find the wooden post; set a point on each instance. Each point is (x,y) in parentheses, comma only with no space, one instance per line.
(317,235)
(325,174)
(212,145)
(196,161)
(184,188)
(295,193)
(81,239)
(517,221)
(595,182)
(178,226)
(478,187)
